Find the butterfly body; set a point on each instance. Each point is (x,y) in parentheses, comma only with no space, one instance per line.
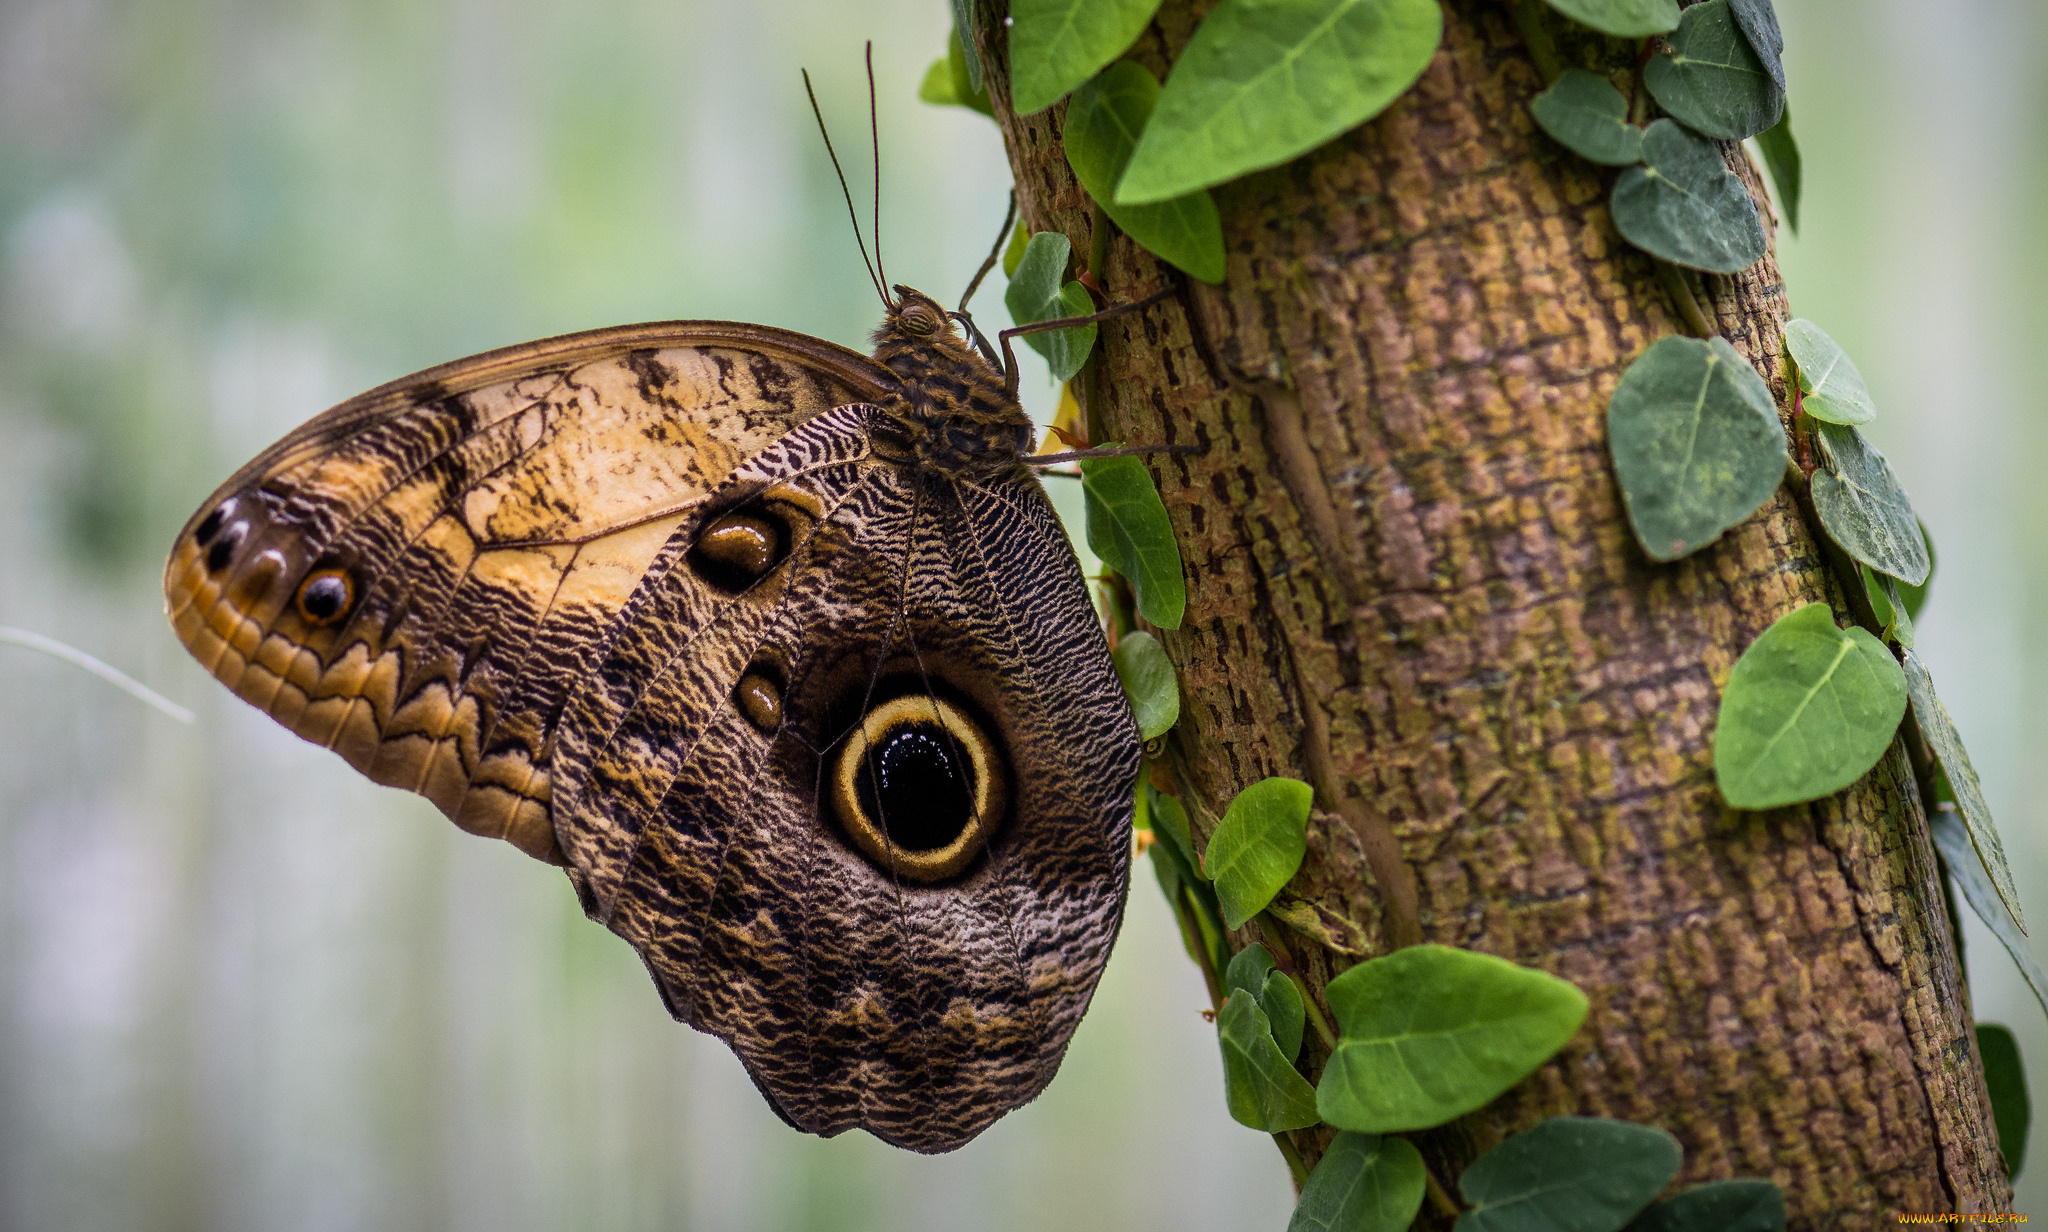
(779,649)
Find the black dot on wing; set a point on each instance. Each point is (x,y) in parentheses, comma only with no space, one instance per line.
(223,549)
(210,527)
(325,595)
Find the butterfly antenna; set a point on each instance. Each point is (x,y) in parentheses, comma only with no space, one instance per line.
(875,138)
(844,191)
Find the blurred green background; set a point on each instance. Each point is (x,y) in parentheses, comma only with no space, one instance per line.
(242,988)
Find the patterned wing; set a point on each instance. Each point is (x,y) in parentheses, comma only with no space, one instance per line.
(891,890)
(420,578)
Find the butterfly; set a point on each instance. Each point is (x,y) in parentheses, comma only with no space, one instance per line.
(778,649)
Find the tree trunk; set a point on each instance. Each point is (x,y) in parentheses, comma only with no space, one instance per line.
(1412,583)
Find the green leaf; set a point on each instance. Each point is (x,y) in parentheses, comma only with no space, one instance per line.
(1626,18)
(1281,999)
(1711,81)
(1429,1033)
(1056,45)
(1747,1205)
(1258,846)
(1952,840)
(1260,1087)
(2006,1078)
(1696,443)
(1264,80)
(1830,385)
(1251,970)
(1013,255)
(1588,116)
(1581,1174)
(1895,619)
(1758,21)
(1781,156)
(1808,710)
(1863,508)
(1170,826)
(1128,530)
(1036,293)
(963,24)
(1101,129)
(1686,206)
(1148,680)
(946,83)
(1363,1183)
(1947,745)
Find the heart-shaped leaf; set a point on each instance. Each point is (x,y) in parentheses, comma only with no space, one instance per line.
(1696,443)
(2006,1079)
(1036,293)
(1258,846)
(1147,676)
(1947,745)
(1129,531)
(1585,1174)
(1588,116)
(1363,1183)
(1101,129)
(1747,1205)
(1711,81)
(1758,21)
(1429,1033)
(1251,969)
(1915,596)
(1808,710)
(1260,1087)
(1864,509)
(1830,386)
(1264,80)
(1781,157)
(1056,45)
(1626,18)
(1685,206)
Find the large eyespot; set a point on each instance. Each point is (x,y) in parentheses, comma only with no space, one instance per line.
(919,787)
(325,596)
(919,320)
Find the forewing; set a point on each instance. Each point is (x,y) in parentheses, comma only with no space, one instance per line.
(486,521)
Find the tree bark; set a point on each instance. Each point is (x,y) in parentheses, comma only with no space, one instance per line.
(1412,583)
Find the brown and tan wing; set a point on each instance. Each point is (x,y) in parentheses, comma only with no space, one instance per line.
(864,805)
(420,577)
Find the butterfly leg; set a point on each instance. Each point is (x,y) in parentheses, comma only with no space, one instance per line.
(1039,327)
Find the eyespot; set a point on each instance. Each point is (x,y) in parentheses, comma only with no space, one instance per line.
(758,696)
(919,320)
(739,548)
(210,526)
(325,595)
(223,549)
(919,787)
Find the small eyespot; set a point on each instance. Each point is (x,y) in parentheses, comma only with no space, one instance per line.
(224,548)
(325,595)
(739,548)
(210,527)
(759,699)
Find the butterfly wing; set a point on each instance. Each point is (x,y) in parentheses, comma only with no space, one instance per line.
(644,602)
(922,1003)
(418,577)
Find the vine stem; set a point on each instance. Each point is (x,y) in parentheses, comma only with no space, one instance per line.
(1536,36)
(1437,1193)
(1315,1015)
(1688,304)
(1295,1164)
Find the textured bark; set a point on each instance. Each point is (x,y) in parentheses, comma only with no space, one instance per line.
(1412,583)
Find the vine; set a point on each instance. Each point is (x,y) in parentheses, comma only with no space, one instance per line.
(1426,1034)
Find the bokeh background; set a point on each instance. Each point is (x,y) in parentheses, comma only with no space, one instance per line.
(241,988)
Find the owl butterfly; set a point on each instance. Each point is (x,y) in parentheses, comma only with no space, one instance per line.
(778,649)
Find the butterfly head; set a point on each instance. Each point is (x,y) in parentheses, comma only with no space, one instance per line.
(914,318)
